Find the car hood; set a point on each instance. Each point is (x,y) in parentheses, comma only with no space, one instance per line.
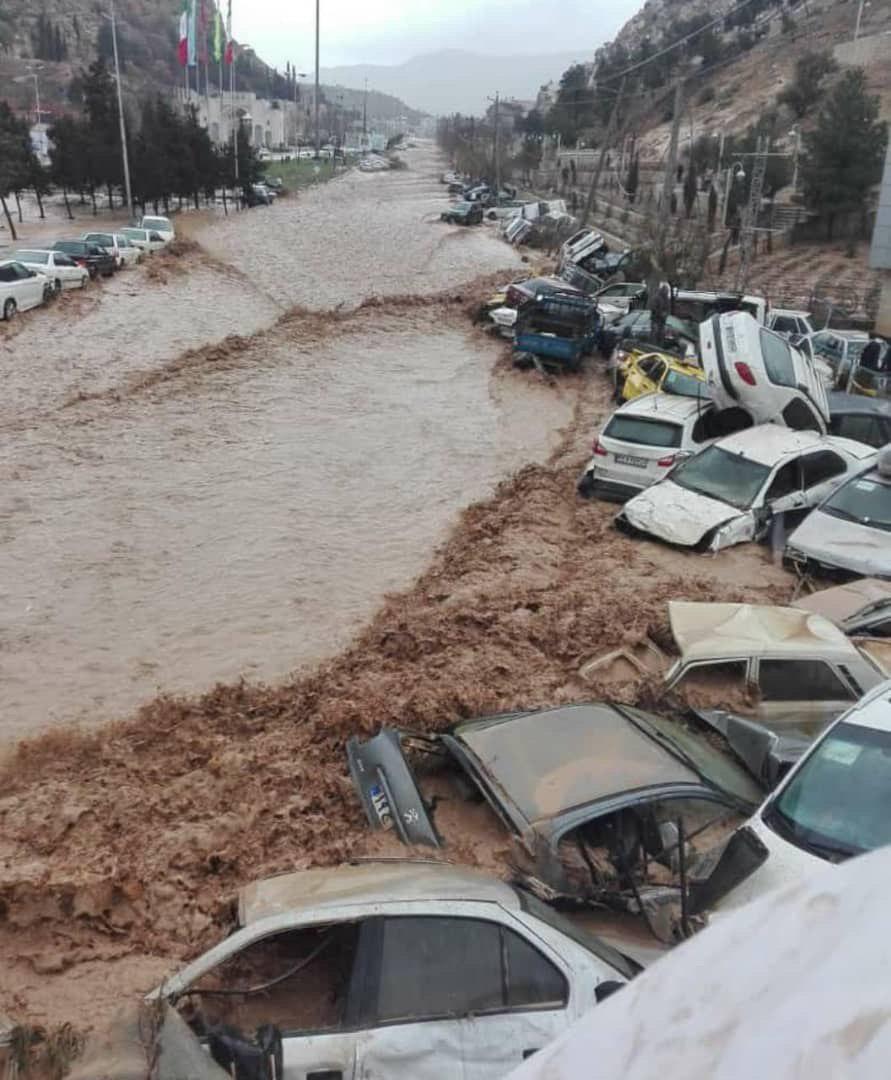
(845,544)
(674,514)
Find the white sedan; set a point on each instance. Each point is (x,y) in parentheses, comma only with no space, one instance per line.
(735,489)
(146,240)
(161,225)
(400,969)
(61,269)
(21,288)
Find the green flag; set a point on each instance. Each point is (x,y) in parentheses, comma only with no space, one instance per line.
(218,36)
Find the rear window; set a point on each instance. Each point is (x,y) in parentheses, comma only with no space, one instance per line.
(32,256)
(70,245)
(777,359)
(635,429)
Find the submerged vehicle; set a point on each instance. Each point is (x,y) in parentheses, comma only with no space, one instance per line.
(602,803)
(560,328)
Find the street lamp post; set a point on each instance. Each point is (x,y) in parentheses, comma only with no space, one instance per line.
(316,101)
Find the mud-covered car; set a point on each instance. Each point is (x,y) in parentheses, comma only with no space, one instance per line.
(410,970)
(736,489)
(602,803)
(463,213)
(862,606)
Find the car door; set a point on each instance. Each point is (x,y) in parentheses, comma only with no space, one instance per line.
(446,1007)
(802,694)
(784,501)
(822,471)
(29,287)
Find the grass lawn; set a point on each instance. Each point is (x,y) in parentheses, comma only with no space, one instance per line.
(301,173)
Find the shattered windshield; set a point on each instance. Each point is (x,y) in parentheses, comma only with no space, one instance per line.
(837,804)
(720,475)
(866,500)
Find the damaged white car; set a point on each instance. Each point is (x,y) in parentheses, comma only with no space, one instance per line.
(749,366)
(735,489)
(411,970)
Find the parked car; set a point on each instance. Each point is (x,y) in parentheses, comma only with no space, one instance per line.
(866,419)
(850,531)
(698,305)
(62,271)
(585,282)
(146,240)
(521,292)
(116,244)
(590,795)
(95,259)
(21,288)
(637,374)
(735,489)
(644,439)
(560,328)
(681,337)
(861,606)
(162,225)
(617,298)
(785,668)
(753,367)
(463,213)
(411,970)
(790,323)
(831,806)
(839,349)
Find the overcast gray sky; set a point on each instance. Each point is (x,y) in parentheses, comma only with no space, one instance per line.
(391,31)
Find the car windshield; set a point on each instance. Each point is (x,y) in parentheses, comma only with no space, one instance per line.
(643,432)
(836,804)
(777,359)
(99,238)
(70,245)
(32,256)
(720,475)
(137,234)
(720,770)
(866,499)
(678,382)
(155,223)
(463,206)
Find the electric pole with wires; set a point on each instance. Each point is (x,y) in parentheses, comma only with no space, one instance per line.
(591,201)
(753,209)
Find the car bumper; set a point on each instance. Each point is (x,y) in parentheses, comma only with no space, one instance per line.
(808,566)
(593,486)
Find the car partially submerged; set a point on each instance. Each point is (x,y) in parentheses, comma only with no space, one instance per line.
(411,970)
(862,606)
(784,668)
(605,804)
(849,533)
(736,489)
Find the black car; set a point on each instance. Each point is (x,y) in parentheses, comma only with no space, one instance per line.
(681,337)
(865,419)
(463,213)
(95,258)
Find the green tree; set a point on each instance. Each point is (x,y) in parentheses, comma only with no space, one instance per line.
(68,151)
(691,187)
(16,159)
(845,152)
(803,94)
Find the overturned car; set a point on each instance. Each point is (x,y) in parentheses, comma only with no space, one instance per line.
(603,804)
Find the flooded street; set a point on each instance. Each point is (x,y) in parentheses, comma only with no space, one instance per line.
(167,522)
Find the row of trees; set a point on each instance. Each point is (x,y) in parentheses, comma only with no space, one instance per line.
(171,156)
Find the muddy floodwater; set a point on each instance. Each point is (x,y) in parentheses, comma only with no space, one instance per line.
(167,521)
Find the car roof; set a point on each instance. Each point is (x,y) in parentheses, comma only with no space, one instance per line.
(874,711)
(844,601)
(768,443)
(547,762)
(704,631)
(373,882)
(840,402)
(32,251)
(673,407)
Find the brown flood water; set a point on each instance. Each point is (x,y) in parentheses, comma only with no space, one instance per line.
(245,517)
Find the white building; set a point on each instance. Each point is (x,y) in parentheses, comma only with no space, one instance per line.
(266,123)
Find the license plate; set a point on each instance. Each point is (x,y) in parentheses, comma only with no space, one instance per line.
(637,462)
(381,805)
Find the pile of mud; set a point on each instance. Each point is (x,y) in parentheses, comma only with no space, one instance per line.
(134,837)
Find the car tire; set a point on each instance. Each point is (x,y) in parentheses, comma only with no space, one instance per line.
(585,486)
(57,287)
(49,292)
(9,310)
(84,280)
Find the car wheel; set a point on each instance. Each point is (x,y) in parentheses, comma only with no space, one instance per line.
(9,309)
(84,280)
(49,291)
(57,286)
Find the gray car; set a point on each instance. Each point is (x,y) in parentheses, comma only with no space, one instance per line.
(849,533)
(856,416)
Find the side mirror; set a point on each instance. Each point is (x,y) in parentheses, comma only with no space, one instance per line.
(604,989)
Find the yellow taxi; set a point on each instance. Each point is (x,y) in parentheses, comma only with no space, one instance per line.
(639,372)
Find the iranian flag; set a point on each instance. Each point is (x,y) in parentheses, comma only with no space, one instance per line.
(183,49)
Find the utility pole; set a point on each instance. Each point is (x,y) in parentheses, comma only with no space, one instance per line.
(859,19)
(595,179)
(497,163)
(316,100)
(750,221)
(117,75)
(365,116)
(671,162)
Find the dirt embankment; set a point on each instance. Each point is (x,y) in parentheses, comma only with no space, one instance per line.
(133,838)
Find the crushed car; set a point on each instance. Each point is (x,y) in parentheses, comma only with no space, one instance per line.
(644,373)
(849,532)
(785,668)
(862,606)
(603,804)
(557,330)
(749,366)
(743,487)
(413,970)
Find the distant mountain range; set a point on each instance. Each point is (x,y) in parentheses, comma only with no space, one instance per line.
(457,81)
